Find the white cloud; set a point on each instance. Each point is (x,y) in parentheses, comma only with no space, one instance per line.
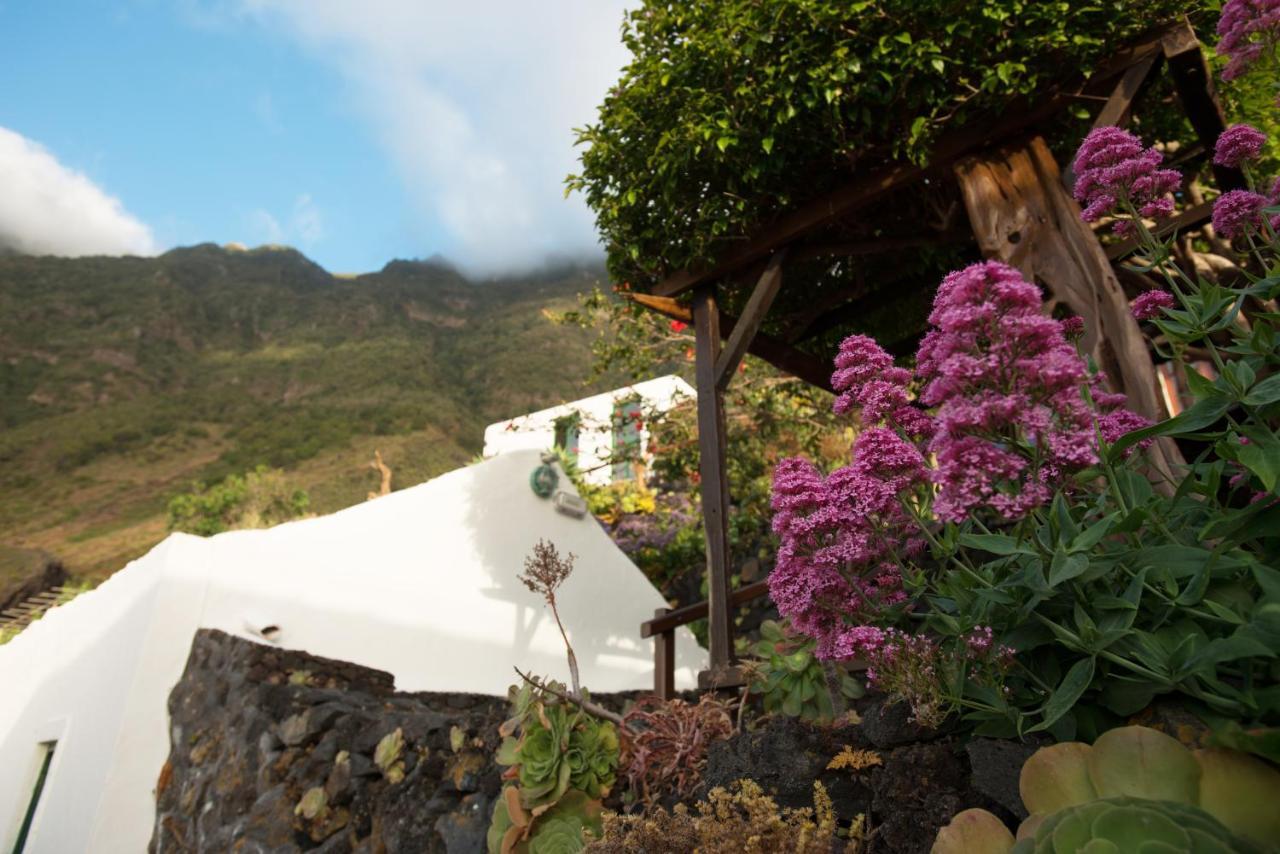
(304,227)
(476,103)
(48,209)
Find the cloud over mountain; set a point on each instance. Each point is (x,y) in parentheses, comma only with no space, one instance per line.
(49,209)
(475,102)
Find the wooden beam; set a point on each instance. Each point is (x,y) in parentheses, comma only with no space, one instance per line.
(672,620)
(762,297)
(1022,215)
(715,485)
(1190,218)
(855,248)
(780,354)
(863,191)
(1119,107)
(1194,84)
(664,660)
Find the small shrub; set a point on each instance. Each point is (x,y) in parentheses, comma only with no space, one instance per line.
(666,744)
(742,821)
(259,499)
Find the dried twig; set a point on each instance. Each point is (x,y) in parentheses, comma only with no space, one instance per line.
(583,703)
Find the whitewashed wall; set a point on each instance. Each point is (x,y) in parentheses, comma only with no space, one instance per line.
(421,583)
(536,431)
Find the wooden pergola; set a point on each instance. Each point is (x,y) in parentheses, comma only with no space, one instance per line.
(1019,209)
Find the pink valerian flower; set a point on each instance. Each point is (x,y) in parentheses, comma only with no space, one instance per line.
(1149,304)
(1248,29)
(842,538)
(1237,145)
(1112,168)
(865,378)
(1011,420)
(1238,212)
(915,668)
(1072,327)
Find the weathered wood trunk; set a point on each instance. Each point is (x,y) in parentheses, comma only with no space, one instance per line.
(1022,214)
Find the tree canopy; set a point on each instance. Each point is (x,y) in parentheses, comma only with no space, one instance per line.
(734,111)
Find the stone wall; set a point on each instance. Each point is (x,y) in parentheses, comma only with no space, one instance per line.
(278,751)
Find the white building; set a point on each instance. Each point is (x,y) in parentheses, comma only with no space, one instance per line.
(421,583)
(604,433)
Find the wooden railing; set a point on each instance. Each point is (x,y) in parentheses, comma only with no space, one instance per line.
(662,628)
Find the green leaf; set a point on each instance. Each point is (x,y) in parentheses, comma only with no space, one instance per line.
(1261,455)
(767,144)
(1092,535)
(1067,693)
(1066,567)
(996,544)
(1201,415)
(1267,391)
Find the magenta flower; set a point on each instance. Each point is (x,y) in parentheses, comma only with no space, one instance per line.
(1238,212)
(1011,423)
(1237,145)
(1149,304)
(1248,29)
(1112,169)
(1073,327)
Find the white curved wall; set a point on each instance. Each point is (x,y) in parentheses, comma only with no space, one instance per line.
(421,583)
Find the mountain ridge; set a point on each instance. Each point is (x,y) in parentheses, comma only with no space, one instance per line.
(123,380)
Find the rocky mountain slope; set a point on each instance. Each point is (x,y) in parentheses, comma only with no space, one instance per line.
(123,380)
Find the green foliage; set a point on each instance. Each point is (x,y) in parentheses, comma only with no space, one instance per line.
(1131,824)
(259,499)
(731,112)
(563,761)
(1134,788)
(560,830)
(789,677)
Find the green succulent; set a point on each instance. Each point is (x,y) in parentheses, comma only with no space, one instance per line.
(788,676)
(1122,825)
(560,748)
(558,830)
(1135,790)
(593,756)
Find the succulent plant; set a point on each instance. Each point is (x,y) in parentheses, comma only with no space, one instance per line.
(1136,789)
(1121,825)
(562,762)
(788,675)
(558,830)
(560,748)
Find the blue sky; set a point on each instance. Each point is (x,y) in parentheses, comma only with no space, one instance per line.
(357,131)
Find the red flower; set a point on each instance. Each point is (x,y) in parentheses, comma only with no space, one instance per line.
(678,326)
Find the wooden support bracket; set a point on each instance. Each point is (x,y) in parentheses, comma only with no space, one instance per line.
(746,327)
(780,354)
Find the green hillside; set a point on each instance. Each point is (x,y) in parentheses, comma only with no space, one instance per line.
(123,380)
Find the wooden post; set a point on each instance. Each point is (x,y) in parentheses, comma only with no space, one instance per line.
(664,660)
(1022,215)
(715,488)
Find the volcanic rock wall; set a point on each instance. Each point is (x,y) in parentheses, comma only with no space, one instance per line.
(281,751)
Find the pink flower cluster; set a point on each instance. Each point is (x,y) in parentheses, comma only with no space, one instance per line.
(1113,169)
(1247,30)
(1238,145)
(829,526)
(1010,422)
(1149,304)
(1239,212)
